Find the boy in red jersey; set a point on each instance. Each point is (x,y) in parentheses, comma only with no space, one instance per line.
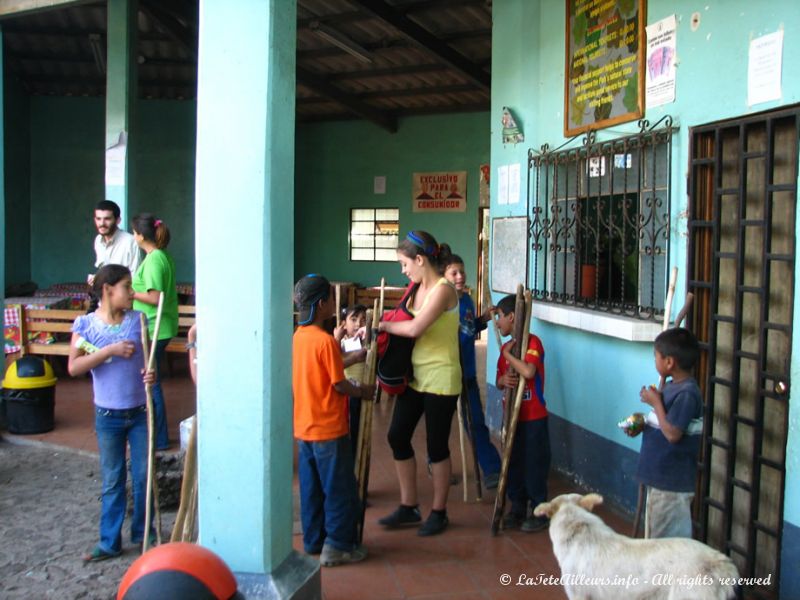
(530,454)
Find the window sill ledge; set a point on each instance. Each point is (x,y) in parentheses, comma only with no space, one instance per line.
(624,328)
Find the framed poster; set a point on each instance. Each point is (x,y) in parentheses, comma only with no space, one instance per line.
(604,81)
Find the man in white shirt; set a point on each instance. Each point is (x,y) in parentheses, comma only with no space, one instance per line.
(113,246)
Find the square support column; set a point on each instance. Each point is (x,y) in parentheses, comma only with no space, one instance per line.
(121,72)
(245,252)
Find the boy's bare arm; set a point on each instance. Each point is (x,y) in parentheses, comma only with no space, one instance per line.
(650,395)
(525,369)
(356,356)
(355,391)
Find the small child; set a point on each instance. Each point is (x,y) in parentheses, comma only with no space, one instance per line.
(530,454)
(469,326)
(353,357)
(329,504)
(671,440)
(108,342)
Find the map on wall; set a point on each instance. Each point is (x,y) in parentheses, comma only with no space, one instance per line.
(509,254)
(604,82)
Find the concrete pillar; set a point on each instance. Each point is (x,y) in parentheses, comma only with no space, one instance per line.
(121,69)
(2,176)
(245,255)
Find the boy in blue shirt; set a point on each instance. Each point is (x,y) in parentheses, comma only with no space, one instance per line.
(469,326)
(671,437)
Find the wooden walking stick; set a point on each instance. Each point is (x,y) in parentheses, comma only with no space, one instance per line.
(513,410)
(468,421)
(519,325)
(151,493)
(673,278)
(338,304)
(183,529)
(462,447)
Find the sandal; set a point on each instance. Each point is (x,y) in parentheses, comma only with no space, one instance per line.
(98,554)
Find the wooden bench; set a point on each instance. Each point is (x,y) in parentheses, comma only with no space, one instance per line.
(187,314)
(391,297)
(57,323)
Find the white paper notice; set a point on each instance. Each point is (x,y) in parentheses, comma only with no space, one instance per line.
(115,161)
(513,183)
(661,55)
(764,68)
(502,184)
(379,184)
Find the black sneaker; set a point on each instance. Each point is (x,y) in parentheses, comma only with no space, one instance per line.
(404,515)
(435,523)
(534,524)
(512,521)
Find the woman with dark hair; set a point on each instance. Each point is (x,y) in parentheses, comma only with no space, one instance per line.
(156,274)
(436,382)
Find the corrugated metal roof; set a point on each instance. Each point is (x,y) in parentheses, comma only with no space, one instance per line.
(416,56)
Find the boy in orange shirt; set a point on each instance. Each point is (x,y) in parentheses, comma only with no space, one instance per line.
(329,504)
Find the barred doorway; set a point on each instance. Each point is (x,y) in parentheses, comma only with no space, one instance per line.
(741,263)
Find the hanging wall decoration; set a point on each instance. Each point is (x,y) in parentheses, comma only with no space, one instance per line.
(604,82)
(511,133)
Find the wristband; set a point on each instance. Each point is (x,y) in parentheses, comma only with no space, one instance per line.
(190,345)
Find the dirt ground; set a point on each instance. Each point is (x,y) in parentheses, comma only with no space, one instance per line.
(49,516)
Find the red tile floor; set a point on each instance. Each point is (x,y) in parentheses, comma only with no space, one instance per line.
(465,562)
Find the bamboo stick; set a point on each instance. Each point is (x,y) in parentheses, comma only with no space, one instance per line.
(463,448)
(151,492)
(500,498)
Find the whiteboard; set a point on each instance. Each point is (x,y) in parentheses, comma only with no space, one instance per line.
(509,254)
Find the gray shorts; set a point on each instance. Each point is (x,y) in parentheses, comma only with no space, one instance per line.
(668,514)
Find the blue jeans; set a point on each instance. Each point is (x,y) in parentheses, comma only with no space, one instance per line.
(329,507)
(529,466)
(159,406)
(115,429)
(488,458)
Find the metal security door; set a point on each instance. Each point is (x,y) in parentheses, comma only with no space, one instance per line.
(743,193)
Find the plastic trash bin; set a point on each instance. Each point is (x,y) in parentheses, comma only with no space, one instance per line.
(29,390)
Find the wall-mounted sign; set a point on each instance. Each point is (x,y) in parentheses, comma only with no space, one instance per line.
(604,82)
(439,192)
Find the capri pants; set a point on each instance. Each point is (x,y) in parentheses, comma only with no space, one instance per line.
(408,409)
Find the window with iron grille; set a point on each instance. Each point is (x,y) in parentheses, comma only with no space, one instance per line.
(600,222)
(374,234)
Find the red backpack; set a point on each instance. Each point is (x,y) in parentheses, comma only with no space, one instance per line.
(394,351)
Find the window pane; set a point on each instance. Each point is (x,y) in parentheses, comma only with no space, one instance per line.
(362,228)
(363,214)
(387,214)
(357,254)
(362,241)
(388,255)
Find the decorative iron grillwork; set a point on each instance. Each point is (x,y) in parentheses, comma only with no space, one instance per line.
(600,221)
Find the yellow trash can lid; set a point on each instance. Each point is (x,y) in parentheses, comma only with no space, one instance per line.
(28,373)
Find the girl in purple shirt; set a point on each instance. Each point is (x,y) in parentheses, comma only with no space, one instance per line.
(108,342)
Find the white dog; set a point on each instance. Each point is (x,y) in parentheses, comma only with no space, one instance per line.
(596,562)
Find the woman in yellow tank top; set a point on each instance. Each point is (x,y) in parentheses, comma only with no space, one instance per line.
(436,382)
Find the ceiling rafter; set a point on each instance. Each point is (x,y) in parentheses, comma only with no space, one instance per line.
(404,93)
(427,41)
(353,104)
(166,19)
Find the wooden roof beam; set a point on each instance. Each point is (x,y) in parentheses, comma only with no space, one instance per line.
(427,41)
(182,34)
(353,104)
(15,8)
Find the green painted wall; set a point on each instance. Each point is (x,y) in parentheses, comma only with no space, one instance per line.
(592,380)
(66,180)
(335,167)
(17,183)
